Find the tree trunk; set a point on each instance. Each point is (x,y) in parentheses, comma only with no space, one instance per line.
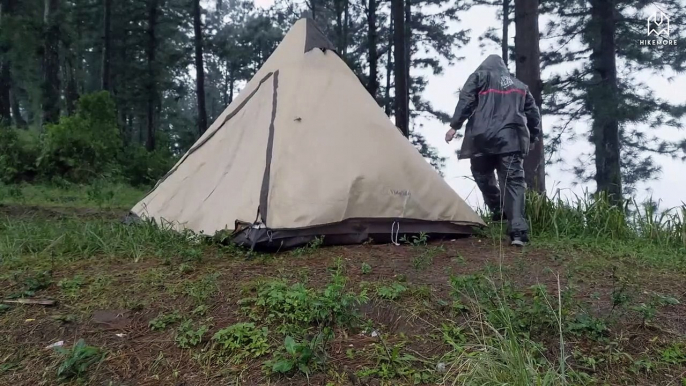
(338,10)
(107,45)
(313,9)
(373,83)
(408,59)
(528,70)
(389,70)
(603,98)
(6,8)
(72,92)
(400,68)
(51,63)
(199,68)
(506,28)
(346,26)
(5,101)
(141,131)
(16,107)
(152,76)
(232,81)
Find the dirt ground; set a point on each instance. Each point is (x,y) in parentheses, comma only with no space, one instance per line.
(114,305)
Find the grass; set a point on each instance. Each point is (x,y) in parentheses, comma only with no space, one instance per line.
(98,195)
(596,299)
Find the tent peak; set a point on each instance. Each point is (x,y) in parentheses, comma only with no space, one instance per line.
(314,37)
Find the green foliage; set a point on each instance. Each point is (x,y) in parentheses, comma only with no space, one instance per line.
(203,288)
(240,341)
(296,305)
(391,292)
(396,362)
(187,336)
(298,356)
(163,320)
(83,146)
(311,247)
(637,230)
(100,193)
(531,313)
(648,310)
(143,168)
(70,287)
(19,150)
(675,354)
(78,359)
(416,240)
(366,269)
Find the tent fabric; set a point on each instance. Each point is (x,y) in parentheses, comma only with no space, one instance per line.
(303,151)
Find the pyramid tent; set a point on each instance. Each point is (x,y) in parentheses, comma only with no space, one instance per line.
(305,151)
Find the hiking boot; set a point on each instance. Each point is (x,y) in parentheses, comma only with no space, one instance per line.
(498,217)
(519,239)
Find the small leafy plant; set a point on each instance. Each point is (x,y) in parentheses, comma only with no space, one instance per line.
(240,341)
(78,359)
(163,320)
(298,356)
(391,292)
(187,336)
(309,248)
(366,269)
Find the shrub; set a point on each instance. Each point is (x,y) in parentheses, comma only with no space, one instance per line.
(141,167)
(19,150)
(83,146)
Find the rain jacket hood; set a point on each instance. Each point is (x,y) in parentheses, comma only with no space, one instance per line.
(492,63)
(501,112)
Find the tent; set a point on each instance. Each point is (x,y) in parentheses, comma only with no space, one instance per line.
(305,151)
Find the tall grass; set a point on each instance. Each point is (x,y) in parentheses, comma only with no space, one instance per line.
(504,354)
(100,194)
(594,217)
(74,238)
(638,230)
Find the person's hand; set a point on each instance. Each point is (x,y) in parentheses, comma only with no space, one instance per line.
(449,135)
(533,143)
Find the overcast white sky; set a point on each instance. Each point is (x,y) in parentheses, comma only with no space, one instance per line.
(441,92)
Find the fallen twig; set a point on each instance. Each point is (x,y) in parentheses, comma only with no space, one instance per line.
(42,302)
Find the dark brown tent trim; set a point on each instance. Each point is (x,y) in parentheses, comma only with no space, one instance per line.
(264,191)
(315,38)
(209,136)
(352,231)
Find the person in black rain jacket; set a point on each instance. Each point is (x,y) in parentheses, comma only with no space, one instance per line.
(503,124)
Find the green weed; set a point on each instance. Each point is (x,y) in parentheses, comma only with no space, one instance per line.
(163,320)
(366,269)
(240,341)
(71,287)
(310,248)
(78,359)
(391,292)
(201,290)
(187,336)
(297,356)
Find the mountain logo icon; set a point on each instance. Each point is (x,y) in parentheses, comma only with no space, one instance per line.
(658,24)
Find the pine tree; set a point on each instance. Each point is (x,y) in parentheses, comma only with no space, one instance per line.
(596,40)
(199,67)
(51,62)
(527,54)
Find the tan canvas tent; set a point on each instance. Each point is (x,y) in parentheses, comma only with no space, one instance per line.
(305,151)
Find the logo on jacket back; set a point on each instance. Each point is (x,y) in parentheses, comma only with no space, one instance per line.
(505,81)
(658,25)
